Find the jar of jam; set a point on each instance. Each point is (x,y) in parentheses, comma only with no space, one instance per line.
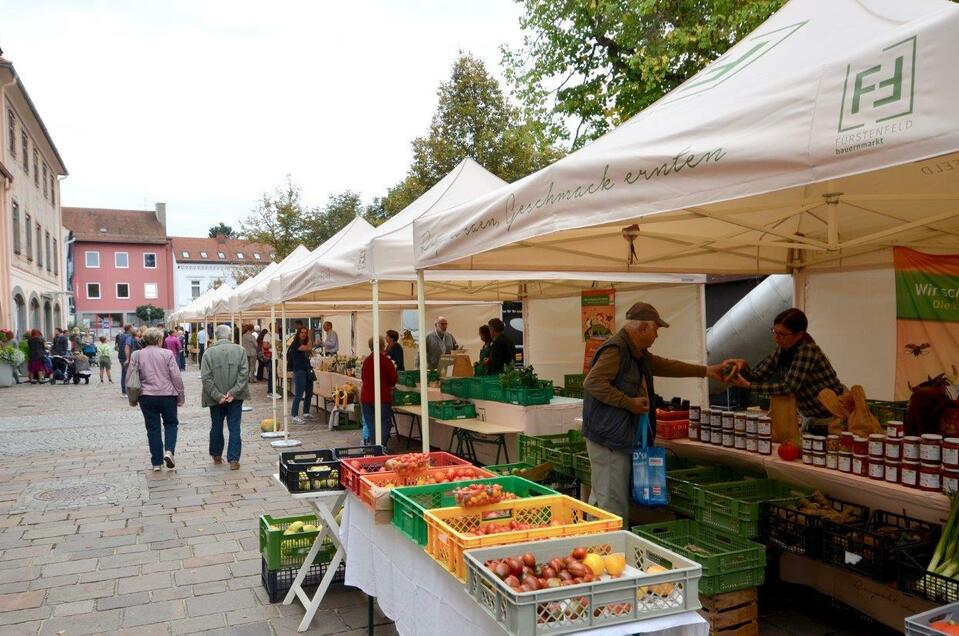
(876,468)
(892,472)
(860,446)
(950,481)
(705,434)
(877,445)
(860,465)
(845,462)
(819,443)
(739,423)
(807,457)
(819,460)
(752,443)
(752,424)
(909,474)
(693,433)
(910,448)
(764,445)
(729,439)
(716,418)
(894,429)
(930,450)
(833,444)
(950,452)
(846,440)
(694,413)
(807,443)
(765,425)
(717,437)
(832,460)
(930,477)
(740,441)
(893,449)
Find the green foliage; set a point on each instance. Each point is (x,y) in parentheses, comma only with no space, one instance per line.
(321,224)
(524,377)
(12,355)
(277,221)
(222,228)
(596,63)
(149,313)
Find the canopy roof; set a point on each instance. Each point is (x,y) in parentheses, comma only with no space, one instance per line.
(263,291)
(822,139)
(195,310)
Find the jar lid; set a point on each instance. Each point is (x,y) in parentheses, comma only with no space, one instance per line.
(951,440)
(765,437)
(933,466)
(931,437)
(859,439)
(911,462)
(911,438)
(877,436)
(892,463)
(894,423)
(845,453)
(832,437)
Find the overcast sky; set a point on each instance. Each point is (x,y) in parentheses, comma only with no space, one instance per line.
(206,104)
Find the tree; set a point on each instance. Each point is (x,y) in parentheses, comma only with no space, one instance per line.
(596,63)
(149,313)
(278,220)
(321,225)
(473,119)
(222,228)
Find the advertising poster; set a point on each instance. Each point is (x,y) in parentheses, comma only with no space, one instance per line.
(513,319)
(927,319)
(598,309)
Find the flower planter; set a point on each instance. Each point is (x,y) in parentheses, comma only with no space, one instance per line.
(6,375)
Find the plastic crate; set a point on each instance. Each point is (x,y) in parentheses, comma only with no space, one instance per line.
(582,469)
(410,503)
(452,410)
(412,377)
(672,429)
(446,527)
(526,396)
(279,582)
(885,411)
(310,471)
(532,447)
(405,398)
(494,392)
(574,381)
(864,551)
(597,604)
(736,506)
(913,578)
(560,454)
(375,488)
(288,551)
(919,624)
(353,469)
(800,533)
(454,386)
(682,485)
(730,563)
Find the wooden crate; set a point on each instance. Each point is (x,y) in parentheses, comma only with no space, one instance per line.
(732,614)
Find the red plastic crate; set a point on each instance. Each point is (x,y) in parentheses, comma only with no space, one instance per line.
(664,416)
(351,470)
(672,429)
(369,484)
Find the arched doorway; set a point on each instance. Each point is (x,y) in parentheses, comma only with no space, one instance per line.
(57,316)
(47,318)
(35,320)
(20,327)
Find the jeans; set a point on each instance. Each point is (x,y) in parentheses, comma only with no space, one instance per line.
(123,377)
(155,408)
(181,360)
(251,365)
(610,479)
(386,423)
(260,367)
(302,390)
(269,377)
(231,412)
(199,356)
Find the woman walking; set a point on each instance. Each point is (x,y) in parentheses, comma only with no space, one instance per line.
(160,394)
(105,358)
(368,398)
(36,350)
(298,361)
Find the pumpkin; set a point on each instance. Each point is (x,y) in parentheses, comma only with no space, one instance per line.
(268,425)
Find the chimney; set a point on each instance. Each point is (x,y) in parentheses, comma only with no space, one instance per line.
(161,214)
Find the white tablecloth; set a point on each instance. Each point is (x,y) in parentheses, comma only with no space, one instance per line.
(422,598)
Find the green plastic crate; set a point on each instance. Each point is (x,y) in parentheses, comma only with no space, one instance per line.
(409,503)
(560,455)
(504,469)
(730,563)
(455,386)
(288,551)
(494,392)
(526,396)
(885,411)
(452,410)
(574,381)
(582,468)
(405,398)
(532,447)
(412,377)
(683,484)
(737,506)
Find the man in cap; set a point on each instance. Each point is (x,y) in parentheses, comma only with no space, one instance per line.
(617,391)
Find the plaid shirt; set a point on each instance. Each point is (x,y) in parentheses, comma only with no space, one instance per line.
(809,373)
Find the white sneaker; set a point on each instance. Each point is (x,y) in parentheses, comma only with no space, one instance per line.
(270,396)
(156,469)
(307,416)
(168,459)
(297,420)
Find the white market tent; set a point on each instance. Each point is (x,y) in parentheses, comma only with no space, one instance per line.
(194,310)
(819,142)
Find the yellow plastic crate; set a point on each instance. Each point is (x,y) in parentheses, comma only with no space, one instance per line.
(446,528)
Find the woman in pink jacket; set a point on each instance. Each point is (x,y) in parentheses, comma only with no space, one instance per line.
(160,395)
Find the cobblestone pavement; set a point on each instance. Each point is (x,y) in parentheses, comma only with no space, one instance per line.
(92,541)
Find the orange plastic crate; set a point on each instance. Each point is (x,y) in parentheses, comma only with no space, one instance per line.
(445,527)
(672,429)
(351,470)
(371,485)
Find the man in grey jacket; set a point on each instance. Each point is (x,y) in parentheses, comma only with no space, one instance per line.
(225,374)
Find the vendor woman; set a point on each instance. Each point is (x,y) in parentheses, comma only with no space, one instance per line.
(798,366)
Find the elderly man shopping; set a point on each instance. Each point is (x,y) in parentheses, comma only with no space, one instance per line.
(225,374)
(617,401)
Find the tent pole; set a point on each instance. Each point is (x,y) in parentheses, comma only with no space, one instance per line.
(286,442)
(377,380)
(424,375)
(233,328)
(274,433)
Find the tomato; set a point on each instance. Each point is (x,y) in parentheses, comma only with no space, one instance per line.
(788,451)
(946,627)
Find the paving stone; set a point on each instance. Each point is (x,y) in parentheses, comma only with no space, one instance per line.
(80,592)
(147,582)
(70,567)
(200,624)
(251,615)
(21,574)
(21,600)
(123,560)
(160,566)
(220,547)
(202,575)
(124,600)
(93,623)
(246,568)
(356,617)
(22,616)
(170,593)
(115,573)
(203,561)
(250,629)
(212,587)
(54,581)
(10,588)
(159,612)
(22,629)
(157,629)
(324,622)
(72,609)
(224,602)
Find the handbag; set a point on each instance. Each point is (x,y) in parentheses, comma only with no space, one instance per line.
(133,380)
(649,470)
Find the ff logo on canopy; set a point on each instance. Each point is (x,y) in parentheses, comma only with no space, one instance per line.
(879,89)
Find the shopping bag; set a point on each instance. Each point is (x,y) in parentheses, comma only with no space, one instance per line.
(649,470)
(133,379)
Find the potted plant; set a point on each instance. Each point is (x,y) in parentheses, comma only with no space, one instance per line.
(11,357)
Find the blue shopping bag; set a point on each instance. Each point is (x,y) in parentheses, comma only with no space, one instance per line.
(649,470)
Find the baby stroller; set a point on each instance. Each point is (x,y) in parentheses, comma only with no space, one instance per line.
(81,369)
(90,352)
(63,367)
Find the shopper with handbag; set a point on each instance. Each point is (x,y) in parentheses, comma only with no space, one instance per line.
(298,362)
(154,382)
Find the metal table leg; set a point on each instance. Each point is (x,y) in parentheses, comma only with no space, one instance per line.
(369,615)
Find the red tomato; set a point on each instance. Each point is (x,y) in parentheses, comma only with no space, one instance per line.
(788,451)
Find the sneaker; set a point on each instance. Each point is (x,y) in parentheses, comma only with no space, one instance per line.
(218,460)
(156,469)
(168,459)
(297,420)
(307,416)
(270,396)
(234,465)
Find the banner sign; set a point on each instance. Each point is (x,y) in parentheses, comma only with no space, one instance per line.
(927,318)
(598,309)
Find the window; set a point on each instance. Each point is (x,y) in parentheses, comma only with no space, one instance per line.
(256,255)
(272,256)
(56,259)
(29,234)
(24,151)
(12,133)
(36,167)
(121,260)
(16,227)
(45,181)
(185,254)
(123,290)
(150,290)
(93,259)
(93,291)
(39,247)
(239,255)
(202,254)
(195,289)
(53,189)
(150,260)
(221,255)
(47,242)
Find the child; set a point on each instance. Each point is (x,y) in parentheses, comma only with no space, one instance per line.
(104,357)
(81,370)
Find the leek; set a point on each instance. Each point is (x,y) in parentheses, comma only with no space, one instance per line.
(947,542)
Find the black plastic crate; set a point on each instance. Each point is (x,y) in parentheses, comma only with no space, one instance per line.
(279,582)
(867,551)
(310,471)
(354,452)
(912,577)
(799,532)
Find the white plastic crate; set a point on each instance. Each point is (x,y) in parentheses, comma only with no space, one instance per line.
(918,625)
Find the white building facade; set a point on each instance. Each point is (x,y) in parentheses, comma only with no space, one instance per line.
(203,263)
